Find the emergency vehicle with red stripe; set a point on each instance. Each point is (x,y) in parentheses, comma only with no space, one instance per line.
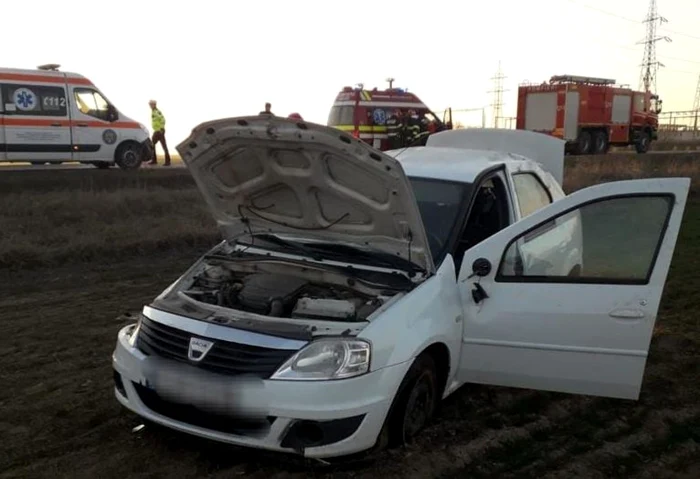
(363,113)
(47,115)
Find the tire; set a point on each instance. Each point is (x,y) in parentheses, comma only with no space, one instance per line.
(414,405)
(129,156)
(643,143)
(55,162)
(600,143)
(584,143)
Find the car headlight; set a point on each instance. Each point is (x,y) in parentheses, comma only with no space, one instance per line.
(325,359)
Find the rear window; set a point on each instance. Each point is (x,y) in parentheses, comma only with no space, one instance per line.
(532,195)
(341,115)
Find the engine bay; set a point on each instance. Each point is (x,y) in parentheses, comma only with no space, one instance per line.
(300,294)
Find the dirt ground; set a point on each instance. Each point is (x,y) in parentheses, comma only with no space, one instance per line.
(59,417)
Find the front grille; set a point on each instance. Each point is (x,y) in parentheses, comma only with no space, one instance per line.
(224,357)
(197,417)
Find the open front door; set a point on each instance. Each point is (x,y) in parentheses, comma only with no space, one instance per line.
(566,299)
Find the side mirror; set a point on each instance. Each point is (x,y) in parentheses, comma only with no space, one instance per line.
(112,114)
(481,267)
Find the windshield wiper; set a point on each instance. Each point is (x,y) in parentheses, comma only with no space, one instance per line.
(274,239)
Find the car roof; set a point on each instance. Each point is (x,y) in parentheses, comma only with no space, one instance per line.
(456,164)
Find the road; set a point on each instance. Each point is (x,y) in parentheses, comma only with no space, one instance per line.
(71,166)
(179,164)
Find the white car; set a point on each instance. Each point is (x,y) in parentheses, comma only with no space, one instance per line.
(355,289)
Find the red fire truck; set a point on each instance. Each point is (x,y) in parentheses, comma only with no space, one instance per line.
(591,114)
(363,113)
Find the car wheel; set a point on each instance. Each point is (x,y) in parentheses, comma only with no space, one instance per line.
(129,156)
(414,404)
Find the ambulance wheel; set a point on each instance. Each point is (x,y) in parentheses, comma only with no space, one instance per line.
(129,155)
(600,143)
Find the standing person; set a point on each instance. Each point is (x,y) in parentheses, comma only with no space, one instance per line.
(267,110)
(158,124)
(393,130)
(413,127)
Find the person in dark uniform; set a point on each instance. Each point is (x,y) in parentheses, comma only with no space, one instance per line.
(393,129)
(412,127)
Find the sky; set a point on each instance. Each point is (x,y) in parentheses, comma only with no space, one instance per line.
(211,59)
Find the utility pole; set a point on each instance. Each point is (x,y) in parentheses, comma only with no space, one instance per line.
(497,95)
(650,66)
(696,106)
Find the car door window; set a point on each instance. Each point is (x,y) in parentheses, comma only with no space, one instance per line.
(91,103)
(532,194)
(612,241)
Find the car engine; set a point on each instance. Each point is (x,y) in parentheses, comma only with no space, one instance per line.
(281,295)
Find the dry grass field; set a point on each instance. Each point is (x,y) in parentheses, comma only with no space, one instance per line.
(79,248)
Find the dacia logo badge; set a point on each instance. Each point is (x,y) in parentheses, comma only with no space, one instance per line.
(198,348)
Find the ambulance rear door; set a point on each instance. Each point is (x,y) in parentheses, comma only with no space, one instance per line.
(36,120)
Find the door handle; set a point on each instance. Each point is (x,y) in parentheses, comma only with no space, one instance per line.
(626,314)
(82,124)
(56,124)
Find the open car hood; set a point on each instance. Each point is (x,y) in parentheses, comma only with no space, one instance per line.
(271,174)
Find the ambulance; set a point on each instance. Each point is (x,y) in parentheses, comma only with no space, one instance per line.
(363,113)
(50,116)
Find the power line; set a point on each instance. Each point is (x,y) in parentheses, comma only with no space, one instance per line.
(604,11)
(611,14)
(695,37)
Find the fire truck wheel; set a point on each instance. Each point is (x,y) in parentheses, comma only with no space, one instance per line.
(600,143)
(584,143)
(642,144)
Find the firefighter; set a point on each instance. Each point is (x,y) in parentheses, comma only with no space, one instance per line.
(412,127)
(393,129)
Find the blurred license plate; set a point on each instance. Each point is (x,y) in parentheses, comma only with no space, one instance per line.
(189,385)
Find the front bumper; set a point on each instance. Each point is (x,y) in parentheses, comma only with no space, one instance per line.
(316,419)
(148,151)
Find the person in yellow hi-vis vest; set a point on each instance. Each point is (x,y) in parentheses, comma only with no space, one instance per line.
(158,124)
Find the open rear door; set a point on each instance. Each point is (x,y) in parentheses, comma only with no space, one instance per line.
(566,299)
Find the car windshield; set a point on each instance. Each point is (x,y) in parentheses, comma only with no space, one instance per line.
(439,202)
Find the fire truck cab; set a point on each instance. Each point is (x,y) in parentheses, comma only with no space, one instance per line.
(363,113)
